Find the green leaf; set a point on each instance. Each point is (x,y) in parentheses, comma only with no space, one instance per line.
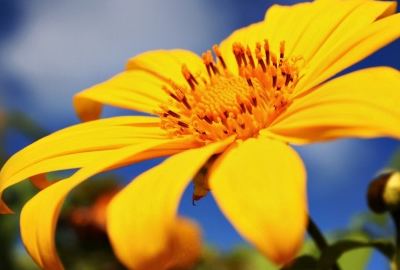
(331,254)
(301,263)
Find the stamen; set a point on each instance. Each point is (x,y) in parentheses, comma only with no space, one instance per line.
(189,77)
(170,93)
(236,52)
(266,49)
(259,57)
(274,60)
(248,52)
(218,54)
(207,59)
(174,114)
(182,124)
(231,102)
(282,49)
(185,102)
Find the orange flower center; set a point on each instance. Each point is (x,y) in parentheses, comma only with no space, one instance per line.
(226,104)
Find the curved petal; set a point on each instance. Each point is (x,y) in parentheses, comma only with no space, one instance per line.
(259,184)
(249,35)
(355,48)
(140,86)
(40,214)
(309,31)
(360,104)
(141,218)
(77,146)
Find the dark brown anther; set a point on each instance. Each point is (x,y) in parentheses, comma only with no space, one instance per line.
(207,119)
(174,114)
(189,77)
(182,124)
(243,56)
(236,52)
(208,70)
(261,62)
(267,54)
(185,102)
(254,101)
(250,56)
(274,81)
(191,84)
(282,50)
(259,57)
(242,107)
(243,126)
(214,68)
(287,79)
(226,114)
(174,97)
(249,82)
(222,61)
(206,62)
(193,79)
(218,54)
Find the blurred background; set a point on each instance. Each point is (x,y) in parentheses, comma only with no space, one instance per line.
(50,50)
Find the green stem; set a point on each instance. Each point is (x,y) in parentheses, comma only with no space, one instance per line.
(396,219)
(318,238)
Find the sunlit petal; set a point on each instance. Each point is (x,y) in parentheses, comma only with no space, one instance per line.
(357,47)
(311,35)
(139,88)
(249,35)
(361,104)
(40,214)
(327,44)
(141,217)
(77,146)
(259,184)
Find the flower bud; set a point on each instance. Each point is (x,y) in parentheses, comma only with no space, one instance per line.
(384,192)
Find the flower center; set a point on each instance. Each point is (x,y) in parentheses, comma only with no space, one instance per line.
(226,104)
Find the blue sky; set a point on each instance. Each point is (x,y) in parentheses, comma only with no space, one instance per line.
(50,50)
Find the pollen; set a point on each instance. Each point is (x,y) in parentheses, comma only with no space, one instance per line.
(224,102)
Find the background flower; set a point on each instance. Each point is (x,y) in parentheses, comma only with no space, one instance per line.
(50,51)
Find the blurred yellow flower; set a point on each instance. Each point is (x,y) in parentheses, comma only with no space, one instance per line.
(226,122)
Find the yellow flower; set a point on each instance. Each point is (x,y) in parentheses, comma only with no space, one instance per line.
(226,122)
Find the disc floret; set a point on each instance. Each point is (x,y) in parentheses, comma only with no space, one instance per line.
(222,102)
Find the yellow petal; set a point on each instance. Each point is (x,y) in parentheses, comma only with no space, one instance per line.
(247,36)
(77,146)
(345,53)
(140,86)
(40,214)
(337,39)
(361,104)
(311,32)
(259,184)
(142,217)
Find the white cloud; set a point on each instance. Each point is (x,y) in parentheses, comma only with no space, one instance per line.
(63,47)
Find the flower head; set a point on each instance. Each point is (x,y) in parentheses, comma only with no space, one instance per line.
(227,120)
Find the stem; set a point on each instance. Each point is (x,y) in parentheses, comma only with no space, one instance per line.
(319,238)
(396,219)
